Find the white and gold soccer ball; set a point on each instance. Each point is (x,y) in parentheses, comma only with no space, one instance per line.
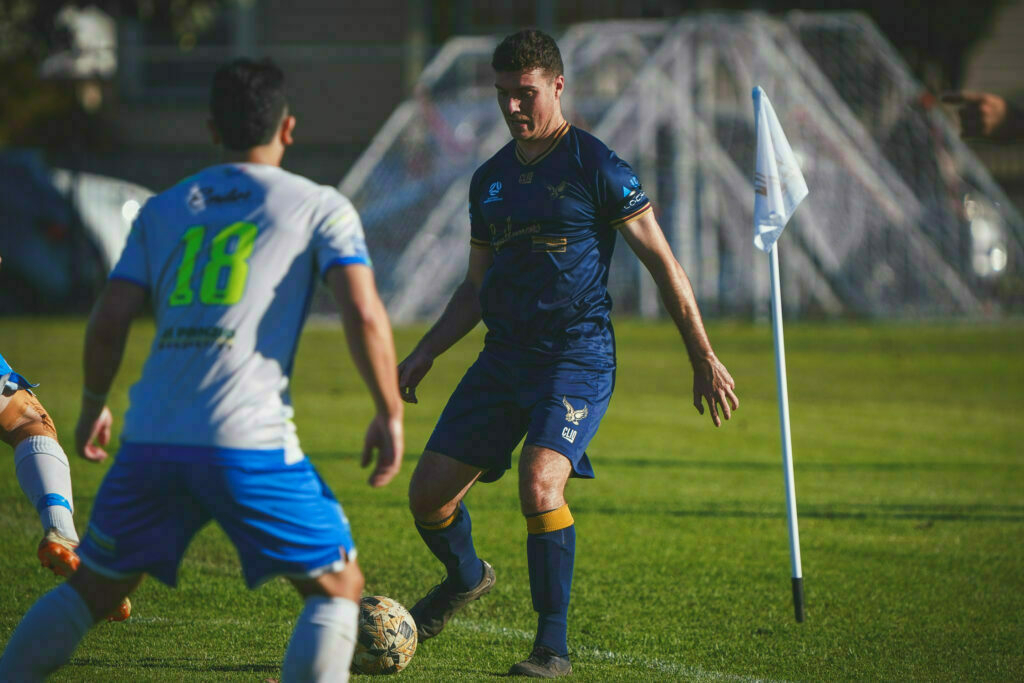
(386,639)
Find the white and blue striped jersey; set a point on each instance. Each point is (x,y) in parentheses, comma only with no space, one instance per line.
(229,258)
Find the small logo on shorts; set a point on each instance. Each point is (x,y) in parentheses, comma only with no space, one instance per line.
(569,434)
(573,415)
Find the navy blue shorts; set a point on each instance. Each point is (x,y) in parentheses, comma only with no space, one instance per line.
(282,522)
(557,406)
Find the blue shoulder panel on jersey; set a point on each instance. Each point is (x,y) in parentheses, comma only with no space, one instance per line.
(345,261)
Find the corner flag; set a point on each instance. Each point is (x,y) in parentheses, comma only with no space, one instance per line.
(779,188)
(779,185)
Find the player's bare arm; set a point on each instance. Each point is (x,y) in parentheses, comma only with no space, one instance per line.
(461,315)
(111,319)
(370,343)
(711,381)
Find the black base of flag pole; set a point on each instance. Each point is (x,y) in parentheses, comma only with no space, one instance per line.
(798,598)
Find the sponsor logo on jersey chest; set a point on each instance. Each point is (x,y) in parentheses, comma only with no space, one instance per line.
(493,193)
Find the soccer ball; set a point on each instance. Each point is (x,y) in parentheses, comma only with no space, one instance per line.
(386,639)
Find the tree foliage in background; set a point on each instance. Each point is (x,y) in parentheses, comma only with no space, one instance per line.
(46,113)
(935,37)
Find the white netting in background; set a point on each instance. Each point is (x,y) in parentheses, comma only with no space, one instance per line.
(901,220)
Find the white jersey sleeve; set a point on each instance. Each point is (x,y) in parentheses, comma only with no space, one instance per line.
(132,264)
(338,239)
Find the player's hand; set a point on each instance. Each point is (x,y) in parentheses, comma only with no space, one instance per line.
(713,383)
(411,371)
(981,114)
(384,435)
(91,431)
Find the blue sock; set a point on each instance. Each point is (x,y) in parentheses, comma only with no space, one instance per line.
(451,541)
(550,556)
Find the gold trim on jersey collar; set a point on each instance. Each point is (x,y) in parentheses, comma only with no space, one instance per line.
(559,134)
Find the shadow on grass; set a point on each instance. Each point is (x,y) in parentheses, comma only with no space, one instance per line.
(726,464)
(175,664)
(775,464)
(921,513)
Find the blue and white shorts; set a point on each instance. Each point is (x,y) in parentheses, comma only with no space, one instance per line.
(282,519)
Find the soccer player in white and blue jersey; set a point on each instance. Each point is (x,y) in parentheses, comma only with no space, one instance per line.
(544,213)
(228,259)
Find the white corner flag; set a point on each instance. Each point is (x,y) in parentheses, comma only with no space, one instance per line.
(779,188)
(779,185)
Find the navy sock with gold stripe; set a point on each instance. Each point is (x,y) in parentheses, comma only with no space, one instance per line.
(550,552)
(451,541)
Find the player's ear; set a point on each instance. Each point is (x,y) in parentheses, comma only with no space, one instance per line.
(214,133)
(559,83)
(287,126)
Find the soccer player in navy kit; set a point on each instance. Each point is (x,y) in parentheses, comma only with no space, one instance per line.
(544,213)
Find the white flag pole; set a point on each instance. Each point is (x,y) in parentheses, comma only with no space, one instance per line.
(787,450)
(779,187)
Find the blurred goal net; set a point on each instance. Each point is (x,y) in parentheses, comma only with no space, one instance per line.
(902,220)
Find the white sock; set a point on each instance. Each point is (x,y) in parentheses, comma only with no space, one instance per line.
(47,636)
(45,477)
(323,642)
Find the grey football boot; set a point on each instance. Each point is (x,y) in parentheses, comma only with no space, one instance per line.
(440,604)
(542,663)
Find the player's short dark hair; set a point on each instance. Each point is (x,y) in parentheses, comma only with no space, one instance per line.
(528,50)
(247,102)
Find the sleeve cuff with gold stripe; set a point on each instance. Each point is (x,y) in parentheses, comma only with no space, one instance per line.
(619,222)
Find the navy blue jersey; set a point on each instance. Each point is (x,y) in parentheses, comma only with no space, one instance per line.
(551,224)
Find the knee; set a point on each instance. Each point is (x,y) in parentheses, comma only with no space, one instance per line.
(347,583)
(530,495)
(535,498)
(419,505)
(539,494)
(23,417)
(350,583)
(425,506)
(425,509)
(354,583)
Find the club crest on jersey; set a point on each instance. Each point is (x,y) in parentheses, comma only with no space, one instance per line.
(526,178)
(195,200)
(493,193)
(571,414)
(557,191)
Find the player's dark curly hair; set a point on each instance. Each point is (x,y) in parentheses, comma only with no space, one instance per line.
(247,102)
(527,50)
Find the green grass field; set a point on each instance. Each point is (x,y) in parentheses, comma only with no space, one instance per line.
(910,488)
